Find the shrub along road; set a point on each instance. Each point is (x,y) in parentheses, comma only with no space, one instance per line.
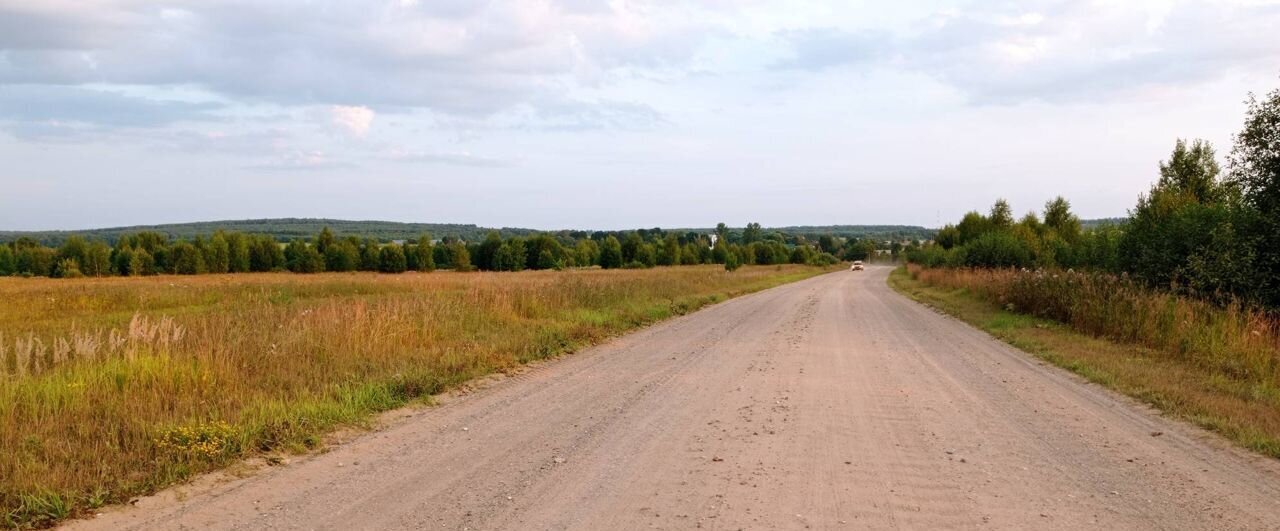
(832,402)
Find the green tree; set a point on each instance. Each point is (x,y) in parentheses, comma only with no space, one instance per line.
(828,244)
(519,254)
(237,252)
(302,258)
(1176,221)
(424,255)
(186,259)
(669,251)
(971,226)
(720,252)
(8,265)
(722,233)
(460,257)
(1192,171)
(370,255)
(1001,215)
(541,244)
(486,255)
(731,261)
(141,263)
(342,256)
(265,254)
(67,268)
(97,260)
(324,240)
(218,255)
(611,253)
(503,259)
(74,248)
(36,260)
(1255,172)
(1058,216)
(948,237)
(547,260)
(392,259)
(691,254)
(645,255)
(753,233)
(586,253)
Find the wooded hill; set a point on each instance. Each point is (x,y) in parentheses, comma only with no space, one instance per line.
(286,229)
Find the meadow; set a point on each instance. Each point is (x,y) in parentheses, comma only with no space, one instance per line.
(1216,365)
(115,387)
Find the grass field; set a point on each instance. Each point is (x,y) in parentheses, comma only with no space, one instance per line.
(1215,367)
(115,387)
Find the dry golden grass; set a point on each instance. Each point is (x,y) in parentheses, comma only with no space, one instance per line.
(1233,340)
(110,388)
(1185,373)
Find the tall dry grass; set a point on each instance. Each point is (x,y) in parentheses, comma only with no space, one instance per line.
(1233,340)
(110,388)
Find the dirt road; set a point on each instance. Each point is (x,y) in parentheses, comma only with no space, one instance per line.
(832,403)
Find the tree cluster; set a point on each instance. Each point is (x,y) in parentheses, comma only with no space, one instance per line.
(151,253)
(1198,230)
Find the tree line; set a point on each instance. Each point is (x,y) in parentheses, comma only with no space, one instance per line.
(1199,230)
(152,253)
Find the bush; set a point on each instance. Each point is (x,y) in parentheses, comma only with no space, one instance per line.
(392,259)
(996,249)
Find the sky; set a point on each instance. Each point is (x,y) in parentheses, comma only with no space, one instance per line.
(608,114)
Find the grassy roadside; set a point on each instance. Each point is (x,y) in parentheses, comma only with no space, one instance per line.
(113,388)
(1240,410)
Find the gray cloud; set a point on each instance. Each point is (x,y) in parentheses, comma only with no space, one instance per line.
(455,57)
(55,112)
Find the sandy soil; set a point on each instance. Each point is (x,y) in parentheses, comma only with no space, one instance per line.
(831,403)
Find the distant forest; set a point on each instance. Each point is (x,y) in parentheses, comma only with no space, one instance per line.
(287,229)
(151,252)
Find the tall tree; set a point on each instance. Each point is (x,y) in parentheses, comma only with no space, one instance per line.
(1192,171)
(1255,171)
(1001,215)
(1058,216)
(753,233)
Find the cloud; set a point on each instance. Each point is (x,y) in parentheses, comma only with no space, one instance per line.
(1063,51)
(449,159)
(453,57)
(355,120)
(52,111)
(823,48)
(299,160)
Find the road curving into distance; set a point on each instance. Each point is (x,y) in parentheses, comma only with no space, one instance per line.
(830,403)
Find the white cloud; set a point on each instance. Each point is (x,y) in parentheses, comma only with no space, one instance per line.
(355,119)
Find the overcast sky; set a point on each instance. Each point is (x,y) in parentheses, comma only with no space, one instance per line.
(620,114)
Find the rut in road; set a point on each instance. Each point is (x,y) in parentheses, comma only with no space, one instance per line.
(830,403)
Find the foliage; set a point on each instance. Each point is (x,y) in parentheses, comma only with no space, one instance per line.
(1255,172)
